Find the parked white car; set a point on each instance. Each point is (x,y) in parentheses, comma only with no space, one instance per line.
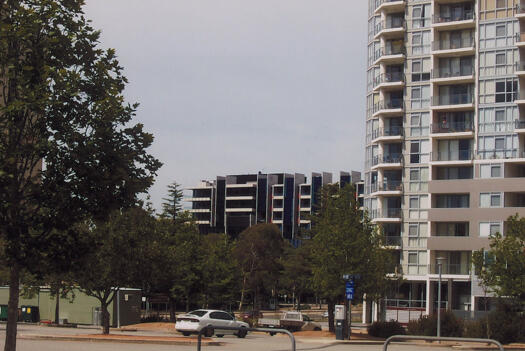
(194,321)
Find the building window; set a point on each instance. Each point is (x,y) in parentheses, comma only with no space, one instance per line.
(506,90)
(452,201)
(501,30)
(417,71)
(500,59)
(490,171)
(420,97)
(489,228)
(412,258)
(487,200)
(413,229)
(501,4)
(452,229)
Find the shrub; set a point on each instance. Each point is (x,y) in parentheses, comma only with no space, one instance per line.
(475,329)
(385,329)
(506,324)
(427,325)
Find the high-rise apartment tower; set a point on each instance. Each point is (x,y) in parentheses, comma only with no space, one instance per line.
(445,145)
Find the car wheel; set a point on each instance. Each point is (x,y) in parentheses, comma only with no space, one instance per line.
(209,331)
(272,333)
(219,335)
(185,333)
(317,329)
(242,333)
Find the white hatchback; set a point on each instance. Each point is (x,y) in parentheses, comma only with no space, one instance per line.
(192,322)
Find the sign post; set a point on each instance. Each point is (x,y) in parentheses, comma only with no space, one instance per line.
(349,294)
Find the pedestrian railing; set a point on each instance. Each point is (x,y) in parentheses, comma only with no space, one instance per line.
(435,338)
(209,330)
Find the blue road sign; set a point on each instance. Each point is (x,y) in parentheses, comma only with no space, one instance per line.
(349,290)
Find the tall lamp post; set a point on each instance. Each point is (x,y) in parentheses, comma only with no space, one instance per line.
(440,265)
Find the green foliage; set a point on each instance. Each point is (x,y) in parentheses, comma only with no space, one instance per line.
(345,242)
(385,329)
(507,323)
(257,253)
(295,277)
(120,255)
(501,269)
(427,325)
(172,205)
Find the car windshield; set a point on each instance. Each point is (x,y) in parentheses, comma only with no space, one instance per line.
(198,313)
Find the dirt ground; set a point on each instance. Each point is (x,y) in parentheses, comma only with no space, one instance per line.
(160,326)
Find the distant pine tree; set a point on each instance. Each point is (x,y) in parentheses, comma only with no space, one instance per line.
(172,207)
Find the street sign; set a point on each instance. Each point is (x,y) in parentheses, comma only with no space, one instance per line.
(349,290)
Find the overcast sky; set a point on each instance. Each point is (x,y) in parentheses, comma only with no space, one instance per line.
(240,86)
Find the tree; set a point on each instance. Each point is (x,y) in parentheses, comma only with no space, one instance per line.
(258,252)
(61,105)
(120,242)
(219,272)
(502,268)
(297,272)
(172,207)
(344,242)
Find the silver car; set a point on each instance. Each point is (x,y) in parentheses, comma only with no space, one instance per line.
(194,321)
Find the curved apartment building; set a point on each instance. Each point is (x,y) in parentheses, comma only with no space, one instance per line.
(445,147)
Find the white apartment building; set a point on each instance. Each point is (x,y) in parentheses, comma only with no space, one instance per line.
(445,147)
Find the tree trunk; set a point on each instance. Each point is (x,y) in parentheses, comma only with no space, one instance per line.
(12,309)
(172,309)
(242,292)
(331,308)
(57,306)
(105,318)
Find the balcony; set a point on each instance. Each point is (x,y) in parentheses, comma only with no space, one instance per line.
(462,21)
(387,188)
(389,6)
(446,76)
(385,135)
(390,161)
(520,39)
(519,68)
(453,102)
(389,55)
(500,154)
(390,81)
(450,269)
(519,126)
(454,47)
(455,155)
(394,106)
(393,241)
(456,130)
(519,11)
(389,29)
(392,215)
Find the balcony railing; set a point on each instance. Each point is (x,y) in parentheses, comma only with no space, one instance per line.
(392,104)
(519,9)
(381,2)
(392,131)
(393,77)
(389,24)
(399,303)
(446,73)
(519,124)
(520,37)
(453,99)
(455,155)
(393,241)
(452,127)
(386,186)
(450,268)
(453,44)
(388,51)
(391,158)
(519,66)
(499,154)
(465,16)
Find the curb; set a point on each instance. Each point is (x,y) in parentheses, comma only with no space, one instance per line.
(117,340)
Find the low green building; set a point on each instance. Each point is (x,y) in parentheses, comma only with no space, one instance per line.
(124,310)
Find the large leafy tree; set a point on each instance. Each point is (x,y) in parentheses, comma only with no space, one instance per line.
(502,268)
(258,252)
(122,244)
(296,274)
(67,149)
(344,242)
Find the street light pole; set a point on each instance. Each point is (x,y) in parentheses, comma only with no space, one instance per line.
(439,302)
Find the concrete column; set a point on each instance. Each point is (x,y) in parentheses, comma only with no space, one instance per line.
(449,295)
(430,297)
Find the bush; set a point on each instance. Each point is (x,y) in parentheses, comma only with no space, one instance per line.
(475,329)
(152,319)
(427,325)
(385,329)
(506,324)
